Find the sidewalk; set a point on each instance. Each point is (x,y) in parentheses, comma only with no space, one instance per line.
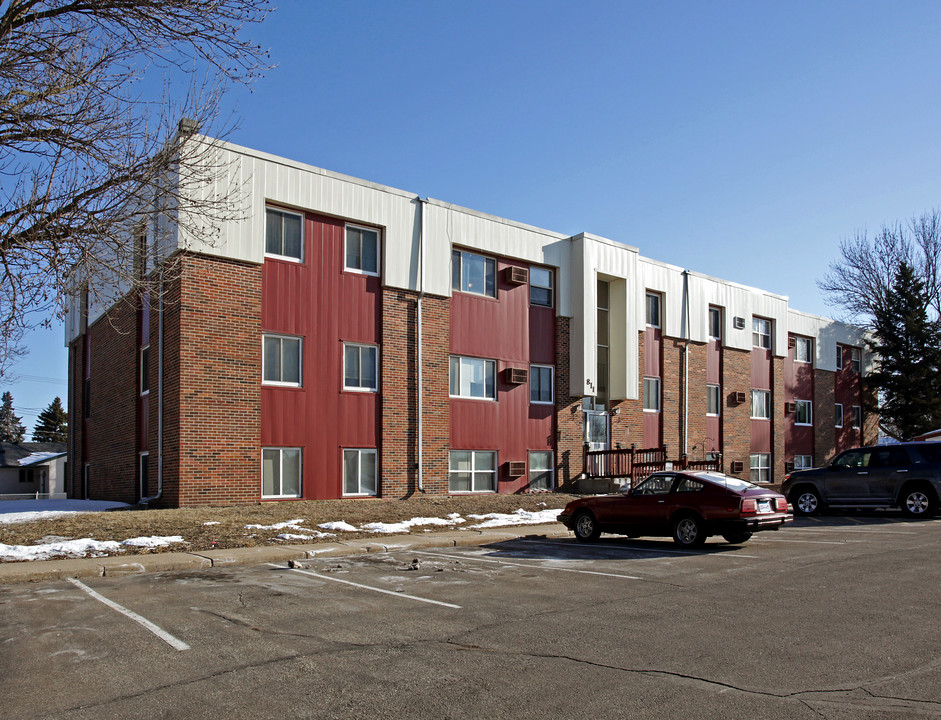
(16,572)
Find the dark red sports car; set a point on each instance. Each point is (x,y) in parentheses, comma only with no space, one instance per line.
(690,506)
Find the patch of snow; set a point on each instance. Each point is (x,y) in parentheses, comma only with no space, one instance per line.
(38,457)
(294,524)
(153,541)
(338,525)
(402,527)
(291,536)
(211,522)
(19,511)
(86,547)
(519,517)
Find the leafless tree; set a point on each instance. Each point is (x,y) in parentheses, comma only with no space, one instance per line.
(91,97)
(860,282)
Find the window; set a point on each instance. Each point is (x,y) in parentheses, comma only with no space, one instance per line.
(839,357)
(655,485)
(713,399)
(857,417)
(473,378)
(761,468)
(540,287)
(362,250)
(359,472)
(145,370)
(472,273)
(283,234)
(804,414)
(687,484)
(540,384)
(653,309)
(803,462)
(281,360)
(651,394)
(472,471)
(855,359)
(761,404)
(86,409)
(601,326)
(541,470)
(838,415)
(761,333)
(715,323)
(360,367)
(802,349)
(281,472)
(144,464)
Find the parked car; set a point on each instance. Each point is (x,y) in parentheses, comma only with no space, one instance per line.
(906,476)
(690,506)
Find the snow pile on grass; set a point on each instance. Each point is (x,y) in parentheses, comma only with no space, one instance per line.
(311,534)
(403,527)
(85,547)
(19,511)
(339,525)
(519,517)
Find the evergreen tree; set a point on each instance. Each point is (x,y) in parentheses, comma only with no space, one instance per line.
(908,345)
(11,428)
(53,424)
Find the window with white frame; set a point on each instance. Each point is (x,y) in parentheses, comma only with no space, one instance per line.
(804,412)
(283,234)
(540,384)
(761,404)
(803,462)
(713,400)
(761,468)
(803,349)
(472,471)
(360,367)
(540,287)
(359,472)
(281,472)
(857,417)
(855,357)
(651,394)
(281,360)
(653,309)
(145,370)
(541,470)
(362,249)
(838,415)
(715,323)
(473,273)
(761,332)
(473,378)
(839,357)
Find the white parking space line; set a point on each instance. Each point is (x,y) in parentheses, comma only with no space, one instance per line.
(367,587)
(532,567)
(160,633)
(634,548)
(874,530)
(808,542)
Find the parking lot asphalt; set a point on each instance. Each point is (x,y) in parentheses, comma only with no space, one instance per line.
(832,617)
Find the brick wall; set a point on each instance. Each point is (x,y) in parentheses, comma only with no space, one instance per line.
(777,419)
(569,429)
(399,384)
(212,392)
(824,417)
(736,422)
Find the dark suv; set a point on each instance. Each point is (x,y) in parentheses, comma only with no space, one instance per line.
(906,476)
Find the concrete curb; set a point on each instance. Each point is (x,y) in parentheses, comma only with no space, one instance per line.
(40,570)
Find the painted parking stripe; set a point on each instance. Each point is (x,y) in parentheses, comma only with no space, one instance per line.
(367,587)
(160,633)
(532,567)
(872,530)
(633,548)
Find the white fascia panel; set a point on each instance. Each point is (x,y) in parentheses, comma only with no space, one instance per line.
(827,334)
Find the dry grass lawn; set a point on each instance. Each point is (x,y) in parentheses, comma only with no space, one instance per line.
(228,530)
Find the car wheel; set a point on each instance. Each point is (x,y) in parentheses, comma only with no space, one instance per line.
(918,502)
(688,531)
(806,501)
(737,538)
(586,527)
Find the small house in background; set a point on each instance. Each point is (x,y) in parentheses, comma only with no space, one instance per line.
(29,468)
(932,436)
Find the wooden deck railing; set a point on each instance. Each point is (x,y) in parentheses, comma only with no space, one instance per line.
(636,464)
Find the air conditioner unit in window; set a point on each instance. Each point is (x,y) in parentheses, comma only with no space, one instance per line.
(516,275)
(517,376)
(790,407)
(792,341)
(739,397)
(788,467)
(515,469)
(736,467)
(738,323)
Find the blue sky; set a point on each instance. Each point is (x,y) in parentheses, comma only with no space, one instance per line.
(739,139)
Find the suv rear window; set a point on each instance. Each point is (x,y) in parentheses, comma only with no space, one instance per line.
(930,452)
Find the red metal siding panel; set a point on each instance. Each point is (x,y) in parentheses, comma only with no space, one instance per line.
(761,436)
(652,436)
(713,434)
(714,362)
(761,369)
(652,353)
(325,305)
(542,335)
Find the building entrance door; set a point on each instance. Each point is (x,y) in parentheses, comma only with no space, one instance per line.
(597,429)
